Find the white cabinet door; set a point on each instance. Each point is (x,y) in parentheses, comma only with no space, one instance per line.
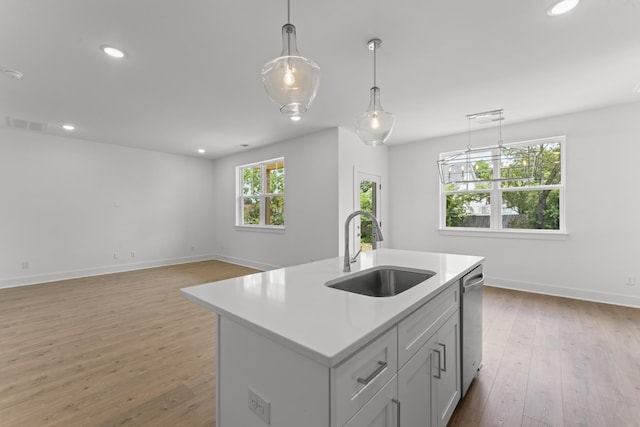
(446,345)
(380,411)
(415,389)
(429,383)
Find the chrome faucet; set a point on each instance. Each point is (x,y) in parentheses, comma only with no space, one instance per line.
(377,236)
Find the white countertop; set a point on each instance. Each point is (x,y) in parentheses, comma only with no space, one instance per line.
(293,307)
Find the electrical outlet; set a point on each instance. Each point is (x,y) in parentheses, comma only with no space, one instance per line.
(25,265)
(115,255)
(259,406)
(133,254)
(630,280)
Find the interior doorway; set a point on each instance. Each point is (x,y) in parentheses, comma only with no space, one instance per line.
(366,193)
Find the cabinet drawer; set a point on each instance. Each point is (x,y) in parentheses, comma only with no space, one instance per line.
(379,411)
(416,329)
(360,377)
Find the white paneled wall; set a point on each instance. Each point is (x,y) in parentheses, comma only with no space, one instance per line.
(69,207)
(311,203)
(603,205)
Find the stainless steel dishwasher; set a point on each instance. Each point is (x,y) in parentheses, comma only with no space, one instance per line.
(471,302)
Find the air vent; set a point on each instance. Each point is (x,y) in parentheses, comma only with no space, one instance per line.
(14,123)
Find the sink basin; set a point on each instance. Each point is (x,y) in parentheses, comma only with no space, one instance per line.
(381,281)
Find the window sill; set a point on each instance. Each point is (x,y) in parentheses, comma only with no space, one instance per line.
(261,228)
(505,234)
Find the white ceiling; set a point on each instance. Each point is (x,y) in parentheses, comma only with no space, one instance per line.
(192,75)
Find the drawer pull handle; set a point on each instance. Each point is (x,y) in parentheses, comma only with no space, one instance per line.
(444,357)
(438,376)
(381,367)
(397,402)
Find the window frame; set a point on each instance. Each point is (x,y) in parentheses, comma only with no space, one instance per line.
(496,192)
(262,196)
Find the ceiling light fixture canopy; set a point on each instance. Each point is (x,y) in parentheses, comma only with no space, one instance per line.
(374,126)
(561,7)
(291,80)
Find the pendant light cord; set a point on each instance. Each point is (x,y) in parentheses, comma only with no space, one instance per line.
(375,47)
(500,129)
(288,11)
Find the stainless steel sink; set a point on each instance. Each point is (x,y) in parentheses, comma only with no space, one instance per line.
(381,281)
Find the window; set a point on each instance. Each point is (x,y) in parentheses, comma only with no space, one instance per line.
(260,194)
(508,192)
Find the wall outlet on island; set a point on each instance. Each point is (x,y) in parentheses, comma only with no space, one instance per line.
(260,406)
(630,280)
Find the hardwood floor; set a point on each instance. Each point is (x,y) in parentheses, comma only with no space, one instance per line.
(127,349)
(119,349)
(551,361)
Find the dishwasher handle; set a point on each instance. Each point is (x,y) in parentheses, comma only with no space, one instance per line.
(468,286)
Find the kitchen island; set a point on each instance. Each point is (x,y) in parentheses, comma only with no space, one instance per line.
(294,352)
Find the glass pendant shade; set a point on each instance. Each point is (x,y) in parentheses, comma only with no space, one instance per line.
(374,126)
(291,80)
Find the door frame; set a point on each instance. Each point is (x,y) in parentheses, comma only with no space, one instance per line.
(358,177)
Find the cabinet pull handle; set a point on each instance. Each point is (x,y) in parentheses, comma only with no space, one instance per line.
(438,376)
(381,367)
(444,356)
(397,402)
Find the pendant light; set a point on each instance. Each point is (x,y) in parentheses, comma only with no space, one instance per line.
(291,80)
(375,125)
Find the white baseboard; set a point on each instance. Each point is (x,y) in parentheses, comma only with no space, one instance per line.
(581,294)
(246,263)
(74,274)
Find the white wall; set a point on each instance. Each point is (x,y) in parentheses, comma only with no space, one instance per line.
(68,205)
(602,204)
(354,155)
(311,203)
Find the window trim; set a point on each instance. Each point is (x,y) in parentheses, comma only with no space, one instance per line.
(496,192)
(262,197)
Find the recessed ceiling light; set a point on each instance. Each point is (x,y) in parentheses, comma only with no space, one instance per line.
(68,127)
(561,7)
(113,52)
(295,118)
(201,150)
(14,74)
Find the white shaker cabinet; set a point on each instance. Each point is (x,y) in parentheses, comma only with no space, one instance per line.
(428,384)
(355,381)
(415,389)
(381,410)
(429,361)
(370,388)
(446,376)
